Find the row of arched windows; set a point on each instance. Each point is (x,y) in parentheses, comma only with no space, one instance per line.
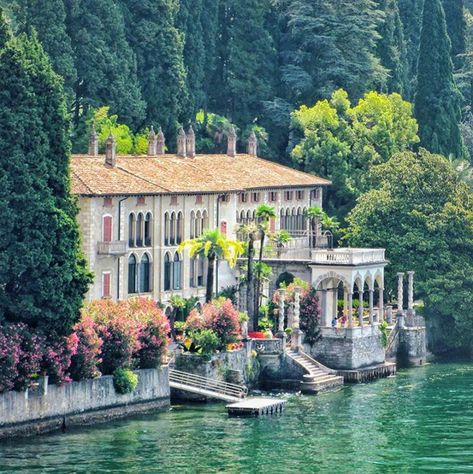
(173,228)
(140,230)
(199,223)
(293,220)
(172,272)
(139,274)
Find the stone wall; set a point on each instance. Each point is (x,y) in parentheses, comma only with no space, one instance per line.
(89,401)
(348,348)
(412,348)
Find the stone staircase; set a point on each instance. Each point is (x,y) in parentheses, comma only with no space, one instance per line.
(318,377)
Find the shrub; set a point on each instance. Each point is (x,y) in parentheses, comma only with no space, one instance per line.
(196,321)
(84,363)
(224,320)
(57,359)
(124,381)
(29,363)
(206,342)
(9,358)
(310,316)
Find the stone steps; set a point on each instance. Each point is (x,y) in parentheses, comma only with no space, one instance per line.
(316,379)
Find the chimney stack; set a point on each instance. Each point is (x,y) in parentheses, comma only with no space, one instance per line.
(152,143)
(231,142)
(253,144)
(190,142)
(160,143)
(181,143)
(110,151)
(93,142)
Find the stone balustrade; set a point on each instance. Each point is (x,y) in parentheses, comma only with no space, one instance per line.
(116,248)
(348,256)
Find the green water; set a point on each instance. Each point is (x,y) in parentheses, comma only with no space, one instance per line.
(419,421)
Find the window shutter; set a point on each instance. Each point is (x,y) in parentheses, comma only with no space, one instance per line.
(106,293)
(107,229)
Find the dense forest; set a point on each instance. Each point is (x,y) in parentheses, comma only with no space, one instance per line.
(376,95)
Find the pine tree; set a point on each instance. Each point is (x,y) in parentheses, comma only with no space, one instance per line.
(391,47)
(159,48)
(456,27)
(48,19)
(43,276)
(105,63)
(437,102)
(246,61)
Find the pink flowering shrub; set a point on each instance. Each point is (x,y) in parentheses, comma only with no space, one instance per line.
(223,320)
(57,359)
(85,362)
(9,358)
(310,316)
(195,321)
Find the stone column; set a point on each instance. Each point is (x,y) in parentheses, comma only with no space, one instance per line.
(282,297)
(335,302)
(323,304)
(410,291)
(350,309)
(400,293)
(389,314)
(371,310)
(296,337)
(381,305)
(360,308)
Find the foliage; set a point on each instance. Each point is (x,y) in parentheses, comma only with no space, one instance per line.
(230,292)
(310,316)
(206,342)
(437,101)
(125,381)
(223,319)
(383,328)
(421,213)
(57,359)
(341,142)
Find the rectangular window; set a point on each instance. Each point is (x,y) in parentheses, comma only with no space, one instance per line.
(107,202)
(141,201)
(173,200)
(255,197)
(288,195)
(316,194)
(300,195)
(225,198)
(243,197)
(199,199)
(273,196)
(106,285)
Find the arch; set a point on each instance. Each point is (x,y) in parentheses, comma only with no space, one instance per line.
(176,271)
(369,281)
(329,276)
(132,276)
(139,230)
(286,278)
(172,225)
(167,271)
(179,228)
(131,229)
(167,229)
(145,274)
(148,229)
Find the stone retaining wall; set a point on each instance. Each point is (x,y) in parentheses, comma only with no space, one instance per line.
(86,402)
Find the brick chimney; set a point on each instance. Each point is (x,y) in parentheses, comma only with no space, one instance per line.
(110,151)
(231,142)
(160,143)
(152,142)
(253,144)
(190,142)
(181,143)
(93,142)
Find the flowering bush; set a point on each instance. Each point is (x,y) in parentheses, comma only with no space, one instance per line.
(310,316)
(57,359)
(84,363)
(224,320)
(195,321)
(9,358)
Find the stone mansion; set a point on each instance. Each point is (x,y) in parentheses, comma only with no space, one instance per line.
(135,210)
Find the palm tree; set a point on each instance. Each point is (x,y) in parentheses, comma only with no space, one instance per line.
(212,245)
(315,216)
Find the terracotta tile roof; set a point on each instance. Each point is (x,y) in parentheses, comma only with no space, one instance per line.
(172,174)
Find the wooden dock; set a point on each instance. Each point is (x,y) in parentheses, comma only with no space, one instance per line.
(256,406)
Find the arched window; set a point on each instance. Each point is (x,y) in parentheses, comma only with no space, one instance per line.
(167,229)
(192,225)
(176,272)
(148,229)
(139,230)
(281,219)
(167,271)
(293,220)
(107,228)
(131,274)
(200,271)
(198,224)
(131,230)
(205,221)
(172,237)
(299,219)
(179,228)
(145,274)
(192,279)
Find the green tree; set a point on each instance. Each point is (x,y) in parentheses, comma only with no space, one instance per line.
(159,48)
(213,245)
(43,276)
(422,214)
(48,19)
(456,27)
(341,142)
(105,63)
(437,101)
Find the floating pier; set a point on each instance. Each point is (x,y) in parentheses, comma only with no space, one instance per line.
(256,407)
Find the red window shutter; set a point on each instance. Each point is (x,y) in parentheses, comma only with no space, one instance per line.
(107,229)
(223,228)
(272,224)
(106,286)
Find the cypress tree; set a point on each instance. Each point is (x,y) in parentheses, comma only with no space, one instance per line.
(48,19)
(437,102)
(43,276)
(159,48)
(391,47)
(456,27)
(105,63)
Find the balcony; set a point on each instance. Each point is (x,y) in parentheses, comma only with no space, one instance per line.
(116,248)
(348,256)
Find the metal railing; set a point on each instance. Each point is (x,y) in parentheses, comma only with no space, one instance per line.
(209,385)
